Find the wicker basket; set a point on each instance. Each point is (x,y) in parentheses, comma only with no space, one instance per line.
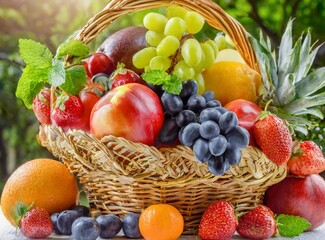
(120,176)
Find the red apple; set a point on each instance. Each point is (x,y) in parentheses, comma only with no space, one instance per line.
(132,111)
(299,196)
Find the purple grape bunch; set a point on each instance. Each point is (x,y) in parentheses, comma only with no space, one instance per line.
(200,122)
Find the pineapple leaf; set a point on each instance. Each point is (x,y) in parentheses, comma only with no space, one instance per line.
(317,112)
(303,67)
(285,50)
(286,93)
(304,103)
(311,83)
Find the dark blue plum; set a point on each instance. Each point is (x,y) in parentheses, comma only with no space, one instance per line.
(209,129)
(171,103)
(65,221)
(85,228)
(54,219)
(218,145)
(169,131)
(130,225)
(189,134)
(196,103)
(109,224)
(185,117)
(238,137)
(201,150)
(82,210)
(228,121)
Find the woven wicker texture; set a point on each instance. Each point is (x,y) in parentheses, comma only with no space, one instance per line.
(120,176)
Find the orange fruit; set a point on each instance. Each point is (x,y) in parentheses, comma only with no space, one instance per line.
(45,182)
(232,80)
(161,222)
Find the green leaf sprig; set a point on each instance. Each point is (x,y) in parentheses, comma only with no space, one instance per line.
(42,68)
(291,226)
(169,83)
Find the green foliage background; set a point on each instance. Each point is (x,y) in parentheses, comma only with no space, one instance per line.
(51,22)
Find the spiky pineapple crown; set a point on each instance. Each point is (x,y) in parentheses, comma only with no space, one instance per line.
(288,81)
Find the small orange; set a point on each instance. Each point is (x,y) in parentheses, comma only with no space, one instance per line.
(45,182)
(161,222)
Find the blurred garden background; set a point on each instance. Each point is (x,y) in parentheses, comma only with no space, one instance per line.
(51,22)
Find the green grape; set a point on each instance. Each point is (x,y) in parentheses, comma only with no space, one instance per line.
(142,58)
(175,27)
(214,47)
(159,62)
(176,11)
(155,22)
(192,52)
(230,43)
(183,71)
(200,83)
(209,55)
(154,38)
(220,41)
(200,67)
(194,22)
(168,46)
(147,68)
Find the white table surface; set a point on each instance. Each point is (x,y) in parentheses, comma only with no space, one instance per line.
(8,232)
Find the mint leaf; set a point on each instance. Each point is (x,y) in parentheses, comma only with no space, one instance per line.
(35,54)
(73,47)
(75,80)
(30,84)
(290,226)
(170,84)
(57,73)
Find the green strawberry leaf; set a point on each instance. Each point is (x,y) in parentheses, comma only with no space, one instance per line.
(290,226)
(20,210)
(75,80)
(31,83)
(169,83)
(35,54)
(57,73)
(72,47)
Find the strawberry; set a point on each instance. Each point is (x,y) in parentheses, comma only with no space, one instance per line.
(307,158)
(41,106)
(258,223)
(273,137)
(67,112)
(36,223)
(123,76)
(218,221)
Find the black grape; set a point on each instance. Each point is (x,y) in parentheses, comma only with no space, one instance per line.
(189,134)
(185,117)
(201,150)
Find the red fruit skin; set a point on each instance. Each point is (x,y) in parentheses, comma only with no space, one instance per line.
(299,196)
(218,221)
(274,139)
(125,76)
(36,224)
(132,111)
(42,106)
(309,159)
(247,113)
(99,63)
(70,116)
(88,99)
(258,223)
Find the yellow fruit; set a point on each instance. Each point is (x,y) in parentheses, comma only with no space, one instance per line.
(161,222)
(232,80)
(45,182)
(229,55)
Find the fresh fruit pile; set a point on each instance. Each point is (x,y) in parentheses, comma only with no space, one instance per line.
(158,85)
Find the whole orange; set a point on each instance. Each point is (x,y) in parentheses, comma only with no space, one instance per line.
(232,80)
(161,222)
(45,182)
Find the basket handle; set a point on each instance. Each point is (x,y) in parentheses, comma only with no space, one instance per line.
(212,13)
